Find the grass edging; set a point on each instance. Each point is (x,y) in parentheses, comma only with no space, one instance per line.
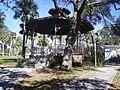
(115,84)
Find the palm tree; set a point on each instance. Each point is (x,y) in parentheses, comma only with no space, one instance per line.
(2,16)
(1,28)
(25,9)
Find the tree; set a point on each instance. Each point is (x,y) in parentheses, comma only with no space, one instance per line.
(2,17)
(108,37)
(19,44)
(1,24)
(8,38)
(5,36)
(19,41)
(116,27)
(43,41)
(93,10)
(25,9)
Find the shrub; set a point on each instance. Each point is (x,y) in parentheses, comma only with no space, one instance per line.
(99,59)
(87,63)
(77,64)
(21,62)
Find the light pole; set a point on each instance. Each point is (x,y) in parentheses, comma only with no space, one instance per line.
(95,50)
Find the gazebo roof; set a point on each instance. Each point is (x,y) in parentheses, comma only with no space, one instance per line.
(47,25)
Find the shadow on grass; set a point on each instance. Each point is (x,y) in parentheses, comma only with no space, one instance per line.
(9,79)
(9,60)
(67,84)
(84,84)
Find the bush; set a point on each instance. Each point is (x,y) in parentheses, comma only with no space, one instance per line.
(21,62)
(87,63)
(77,64)
(99,59)
(57,61)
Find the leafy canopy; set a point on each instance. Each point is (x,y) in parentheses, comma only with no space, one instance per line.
(2,17)
(116,27)
(108,37)
(25,8)
(95,10)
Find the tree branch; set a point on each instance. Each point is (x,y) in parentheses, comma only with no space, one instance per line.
(106,20)
(95,4)
(72,3)
(81,9)
(55,3)
(60,11)
(6,4)
(104,3)
(116,7)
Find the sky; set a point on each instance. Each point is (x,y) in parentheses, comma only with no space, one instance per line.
(44,6)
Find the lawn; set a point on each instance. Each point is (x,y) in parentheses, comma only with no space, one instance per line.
(53,78)
(116,82)
(8,61)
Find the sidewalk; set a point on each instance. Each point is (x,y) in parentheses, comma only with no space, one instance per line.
(99,79)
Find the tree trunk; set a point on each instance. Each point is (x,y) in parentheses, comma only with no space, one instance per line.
(93,48)
(70,40)
(72,35)
(23,46)
(32,45)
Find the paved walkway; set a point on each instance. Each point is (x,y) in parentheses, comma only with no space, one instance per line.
(103,73)
(99,79)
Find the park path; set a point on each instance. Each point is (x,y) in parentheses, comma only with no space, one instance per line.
(98,79)
(103,73)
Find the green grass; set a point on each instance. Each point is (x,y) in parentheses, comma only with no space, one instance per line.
(116,82)
(8,61)
(53,78)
